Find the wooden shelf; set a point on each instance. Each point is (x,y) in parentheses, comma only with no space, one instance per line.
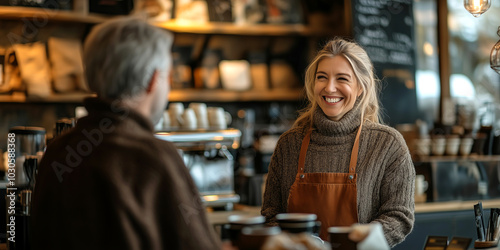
(459,158)
(178,95)
(218,28)
(40,14)
(221,28)
(188,95)
(54,98)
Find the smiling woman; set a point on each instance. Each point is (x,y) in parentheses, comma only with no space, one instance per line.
(336,87)
(331,163)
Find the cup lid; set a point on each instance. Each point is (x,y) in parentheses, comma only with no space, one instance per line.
(261,230)
(296,217)
(246,219)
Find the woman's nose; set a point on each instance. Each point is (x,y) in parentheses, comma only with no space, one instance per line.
(331,87)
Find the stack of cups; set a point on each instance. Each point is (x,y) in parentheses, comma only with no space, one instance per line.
(438,146)
(200,110)
(452,144)
(175,111)
(189,119)
(466,145)
(217,118)
(422,146)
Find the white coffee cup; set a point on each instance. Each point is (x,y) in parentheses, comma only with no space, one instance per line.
(189,119)
(438,146)
(166,120)
(175,110)
(466,145)
(217,118)
(421,184)
(452,145)
(200,109)
(422,146)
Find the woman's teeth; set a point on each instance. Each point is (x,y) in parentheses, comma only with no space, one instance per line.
(333,100)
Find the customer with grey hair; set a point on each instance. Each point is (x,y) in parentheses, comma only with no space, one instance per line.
(109,183)
(338,161)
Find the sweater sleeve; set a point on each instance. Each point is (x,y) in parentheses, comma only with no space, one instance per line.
(272,203)
(397,208)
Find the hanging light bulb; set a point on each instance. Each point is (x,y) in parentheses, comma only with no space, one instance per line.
(477,7)
(495,55)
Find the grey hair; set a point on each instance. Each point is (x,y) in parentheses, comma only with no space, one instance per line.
(121,55)
(363,70)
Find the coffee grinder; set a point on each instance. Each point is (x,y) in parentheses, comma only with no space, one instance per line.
(25,147)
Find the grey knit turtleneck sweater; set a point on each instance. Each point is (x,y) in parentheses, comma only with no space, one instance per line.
(386,174)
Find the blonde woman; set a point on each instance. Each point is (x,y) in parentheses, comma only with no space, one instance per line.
(338,161)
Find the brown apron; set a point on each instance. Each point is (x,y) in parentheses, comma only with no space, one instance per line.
(331,196)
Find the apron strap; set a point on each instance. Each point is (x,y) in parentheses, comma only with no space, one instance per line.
(303,151)
(354,153)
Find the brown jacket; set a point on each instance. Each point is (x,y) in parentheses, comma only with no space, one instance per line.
(110,184)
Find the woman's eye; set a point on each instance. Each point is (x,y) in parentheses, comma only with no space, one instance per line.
(320,77)
(342,79)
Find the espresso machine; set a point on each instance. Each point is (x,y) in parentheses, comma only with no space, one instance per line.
(206,153)
(25,147)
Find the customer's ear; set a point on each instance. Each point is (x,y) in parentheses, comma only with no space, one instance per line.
(153,82)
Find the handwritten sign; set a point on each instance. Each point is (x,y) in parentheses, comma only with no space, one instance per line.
(385,29)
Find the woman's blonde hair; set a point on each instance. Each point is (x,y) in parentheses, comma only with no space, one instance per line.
(363,70)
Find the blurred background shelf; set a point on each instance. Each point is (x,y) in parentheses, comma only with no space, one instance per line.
(482,158)
(54,98)
(179,95)
(185,95)
(217,28)
(220,28)
(42,15)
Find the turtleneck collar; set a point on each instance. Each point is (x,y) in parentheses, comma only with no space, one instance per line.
(345,126)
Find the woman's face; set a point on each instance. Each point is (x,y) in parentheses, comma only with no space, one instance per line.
(335,87)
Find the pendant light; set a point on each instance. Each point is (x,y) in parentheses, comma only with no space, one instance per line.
(477,7)
(495,55)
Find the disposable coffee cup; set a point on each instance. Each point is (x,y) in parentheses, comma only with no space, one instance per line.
(299,223)
(238,222)
(339,238)
(254,237)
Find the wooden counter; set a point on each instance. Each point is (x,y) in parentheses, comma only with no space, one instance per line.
(430,207)
(220,217)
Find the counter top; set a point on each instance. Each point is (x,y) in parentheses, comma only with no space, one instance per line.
(220,217)
(431,207)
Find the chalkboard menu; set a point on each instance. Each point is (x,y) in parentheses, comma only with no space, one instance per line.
(385,29)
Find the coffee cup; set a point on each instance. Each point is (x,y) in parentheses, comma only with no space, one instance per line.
(189,119)
(200,109)
(452,145)
(422,146)
(438,146)
(466,145)
(339,238)
(254,237)
(421,184)
(299,223)
(217,118)
(175,111)
(238,222)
